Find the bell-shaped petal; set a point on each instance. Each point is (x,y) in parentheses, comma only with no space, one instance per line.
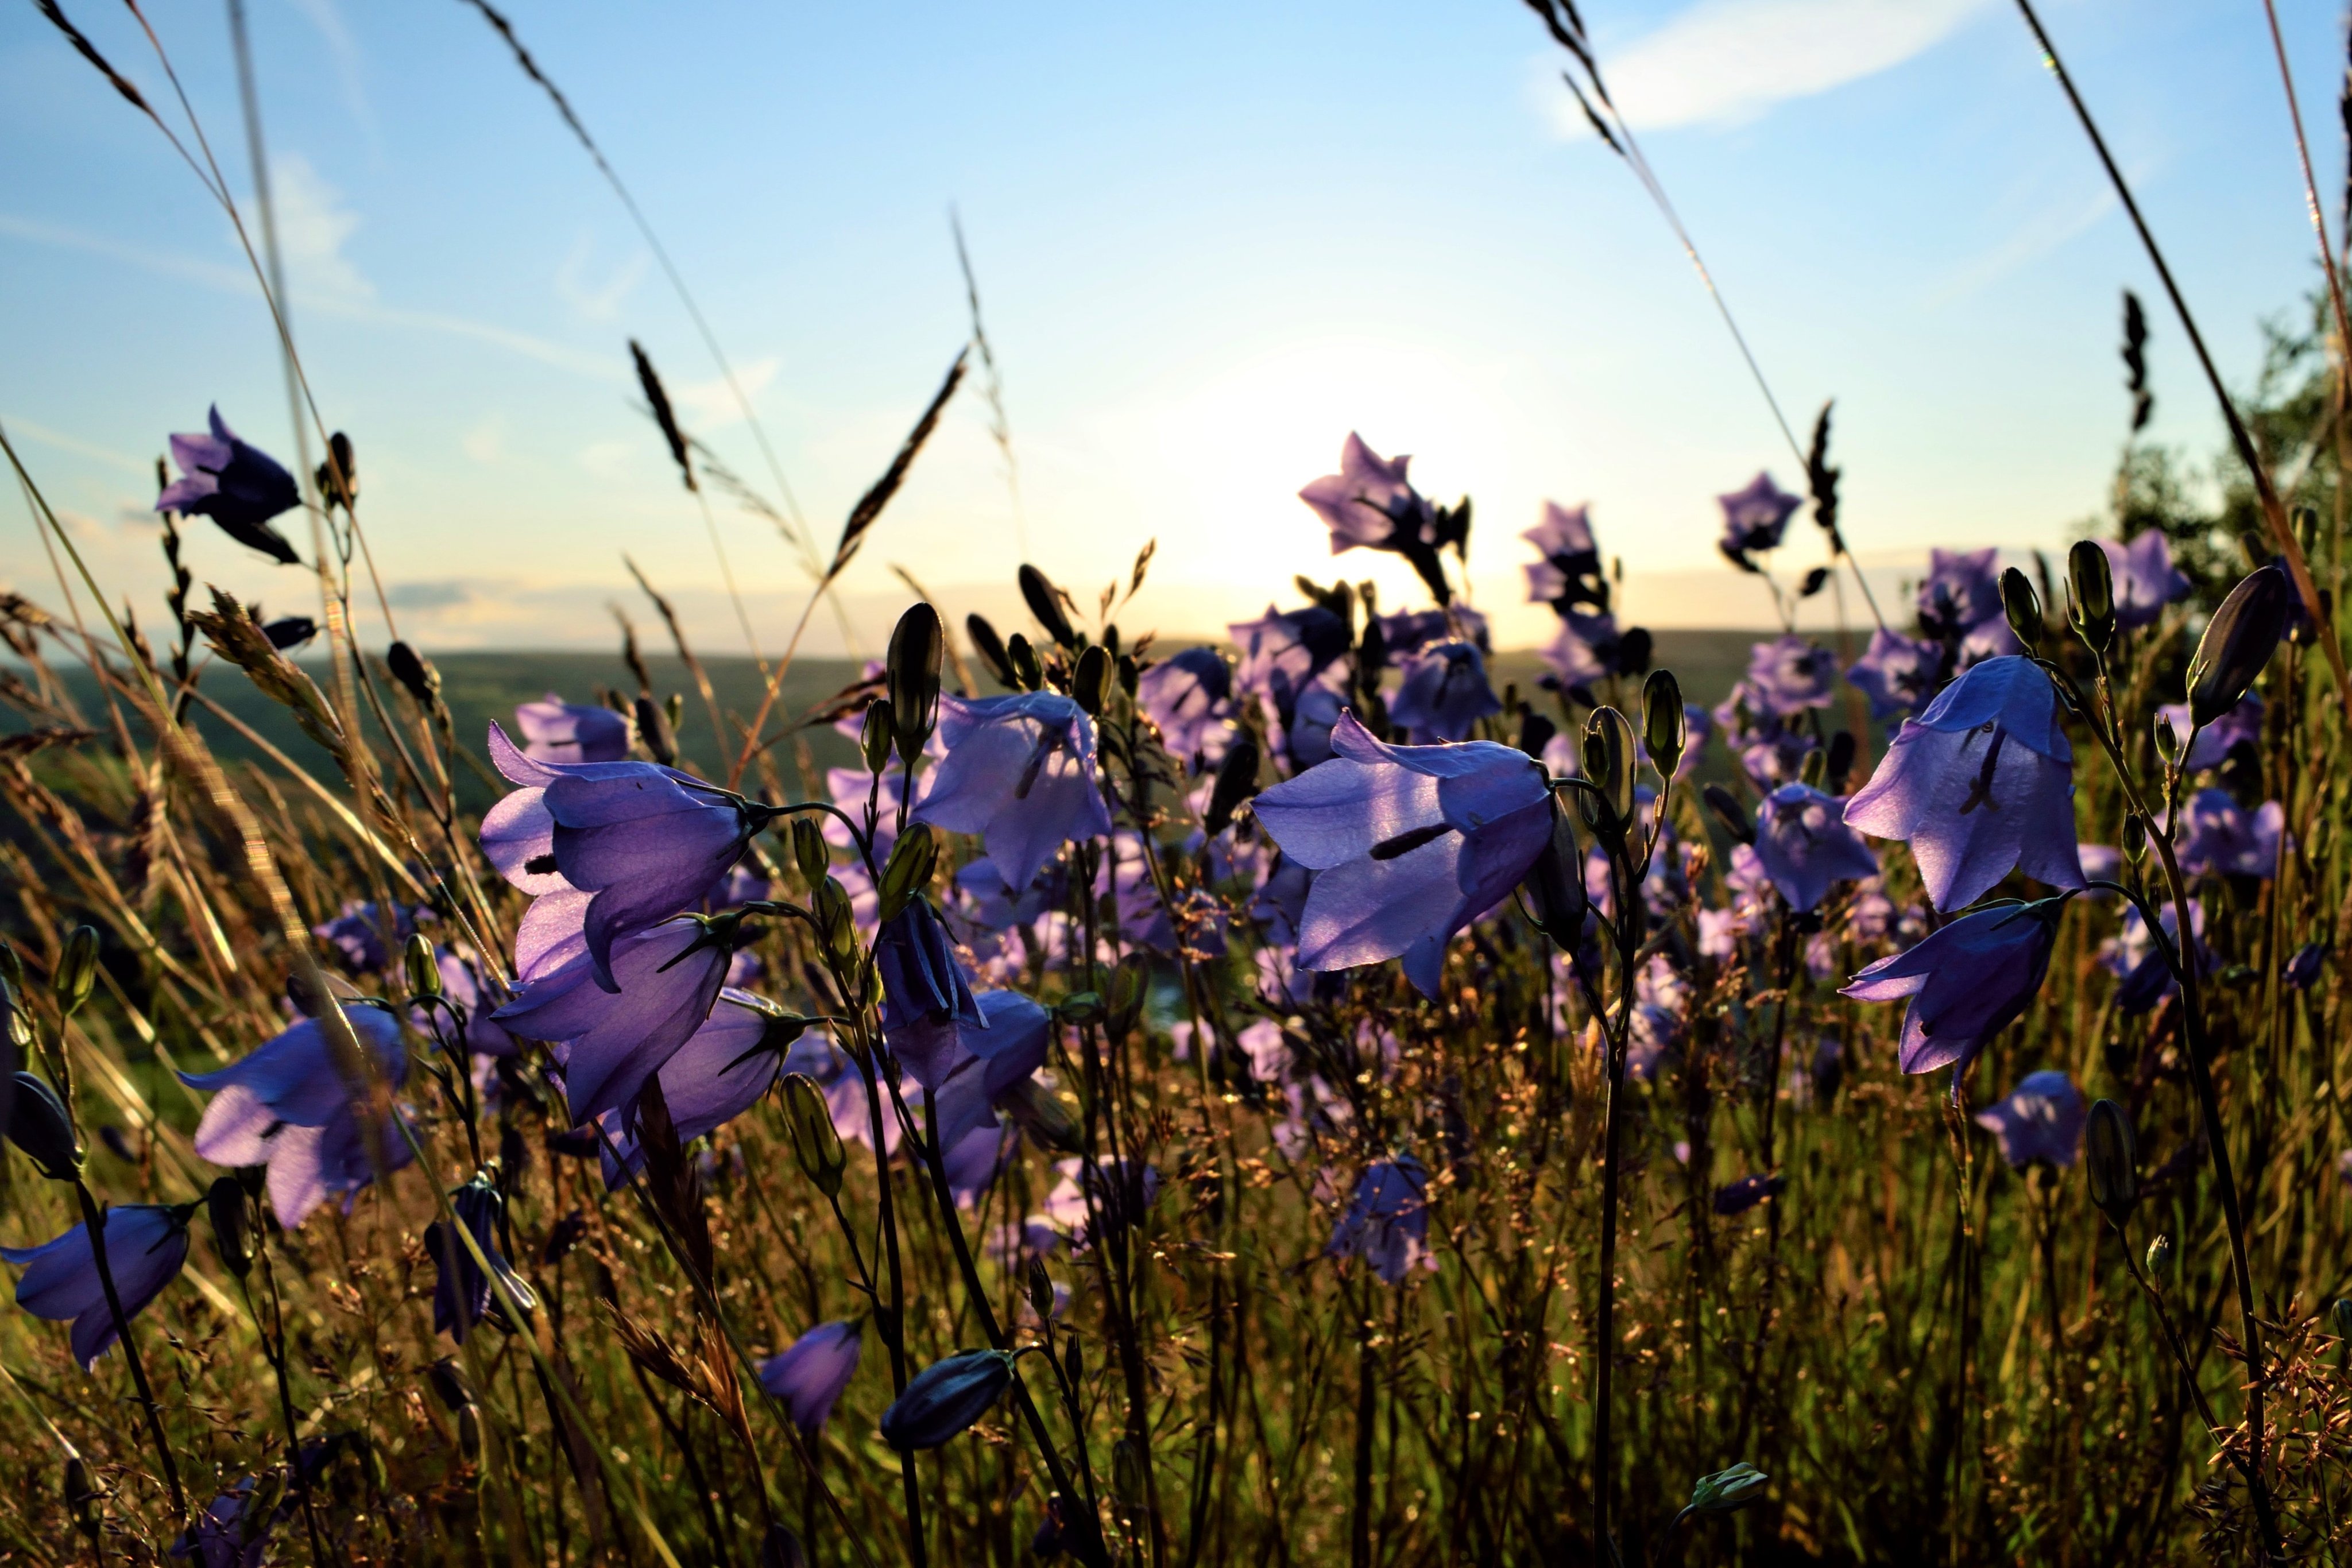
(557,731)
(1965,981)
(1387,1222)
(669,979)
(2041,1121)
(810,1373)
(1020,772)
(145,1245)
(1804,845)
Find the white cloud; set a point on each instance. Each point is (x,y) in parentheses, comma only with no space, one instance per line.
(1730,61)
(597,301)
(711,404)
(313,225)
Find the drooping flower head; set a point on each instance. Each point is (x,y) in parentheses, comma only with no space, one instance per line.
(2144,976)
(2223,839)
(236,484)
(1965,981)
(1189,697)
(557,731)
(288,1106)
(1414,844)
(1962,591)
(1755,518)
(1020,772)
(145,1245)
(462,1293)
(1792,674)
(1804,845)
(357,934)
(1589,649)
(1444,694)
(1897,674)
(969,1070)
(717,1074)
(1569,574)
(1369,505)
(2145,579)
(2041,1121)
(810,1373)
(1387,1222)
(1981,784)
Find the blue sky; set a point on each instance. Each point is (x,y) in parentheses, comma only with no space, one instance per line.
(1211,240)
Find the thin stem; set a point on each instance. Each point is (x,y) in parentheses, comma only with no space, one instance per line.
(94,1223)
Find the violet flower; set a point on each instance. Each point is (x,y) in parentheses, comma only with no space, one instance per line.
(145,1245)
(1790,675)
(229,1533)
(287,1106)
(2221,837)
(810,1373)
(1443,695)
(1965,981)
(1284,650)
(461,982)
(1805,845)
(1369,505)
(1188,697)
(1020,772)
(1116,1193)
(923,984)
(668,979)
(356,935)
(1981,784)
(559,732)
(2145,579)
(1410,631)
(1569,573)
(237,486)
(2301,972)
(1386,1223)
(2041,1121)
(462,1295)
(2142,976)
(1961,592)
(1897,674)
(2242,725)
(1755,518)
(1739,1197)
(1414,844)
(717,1074)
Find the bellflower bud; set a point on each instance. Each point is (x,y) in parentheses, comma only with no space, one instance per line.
(2238,643)
(37,1123)
(2159,1256)
(947,1396)
(1131,986)
(421,969)
(1555,885)
(2111,1159)
(656,730)
(1041,1290)
(814,1139)
(1814,767)
(1664,725)
(991,648)
(1236,782)
(2134,838)
(2022,606)
(1080,1008)
(908,871)
(809,853)
(1739,824)
(469,1433)
(1727,1491)
(836,920)
(2167,739)
(415,673)
(1027,672)
(916,645)
(232,1218)
(1090,684)
(2090,584)
(780,1548)
(1044,601)
(1609,763)
(878,733)
(77,971)
(81,1496)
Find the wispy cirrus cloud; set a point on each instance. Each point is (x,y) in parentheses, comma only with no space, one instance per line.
(1725,61)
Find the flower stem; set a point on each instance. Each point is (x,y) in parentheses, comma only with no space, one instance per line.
(94,1220)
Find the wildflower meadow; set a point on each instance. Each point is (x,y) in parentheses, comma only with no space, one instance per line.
(1340,1092)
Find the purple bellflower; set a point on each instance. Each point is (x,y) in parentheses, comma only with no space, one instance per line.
(559,732)
(969,1071)
(1410,631)
(810,1373)
(1569,573)
(1284,650)
(1962,591)
(1755,518)
(923,984)
(2144,977)
(1020,772)
(1116,1192)
(356,936)
(1444,694)
(288,1107)
(2041,1121)
(2301,972)
(1897,674)
(1368,502)
(669,980)
(1414,844)
(1790,674)
(1804,845)
(1981,784)
(2145,579)
(145,1245)
(1189,697)
(462,1296)
(1386,1223)
(2241,724)
(1588,648)
(230,1533)
(237,486)
(2223,839)
(1965,981)
(717,1074)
